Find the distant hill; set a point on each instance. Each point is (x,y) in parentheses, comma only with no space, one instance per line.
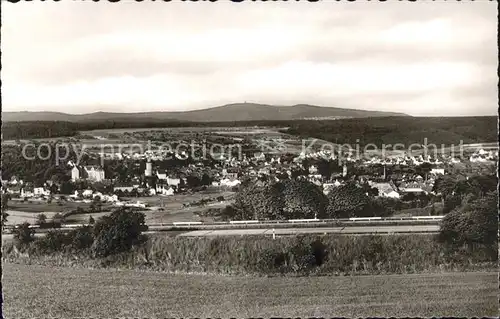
(402,130)
(229,113)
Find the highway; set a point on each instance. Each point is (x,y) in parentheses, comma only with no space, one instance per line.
(350,230)
(317,230)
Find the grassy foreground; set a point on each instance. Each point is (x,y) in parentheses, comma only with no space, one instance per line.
(40,291)
(247,255)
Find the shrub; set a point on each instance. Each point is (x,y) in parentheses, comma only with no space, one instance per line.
(81,238)
(23,234)
(53,241)
(271,260)
(5,215)
(301,257)
(286,199)
(58,218)
(41,219)
(117,232)
(348,201)
(476,223)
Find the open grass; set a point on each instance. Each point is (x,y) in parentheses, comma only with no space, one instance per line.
(309,254)
(38,291)
(34,206)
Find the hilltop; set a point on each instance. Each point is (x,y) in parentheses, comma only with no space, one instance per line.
(229,112)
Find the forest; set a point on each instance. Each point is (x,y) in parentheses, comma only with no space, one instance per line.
(405,130)
(377,130)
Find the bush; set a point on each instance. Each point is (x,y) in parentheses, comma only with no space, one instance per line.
(286,199)
(53,241)
(81,238)
(58,218)
(24,235)
(348,201)
(474,224)
(271,260)
(117,232)
(41,219)
(328,255)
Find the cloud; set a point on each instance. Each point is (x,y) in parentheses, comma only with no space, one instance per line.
(81,56)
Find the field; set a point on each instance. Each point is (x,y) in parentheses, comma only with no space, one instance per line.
(42,206)
(37,291)
(172,209)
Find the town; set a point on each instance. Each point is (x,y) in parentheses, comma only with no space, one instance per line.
(147,180)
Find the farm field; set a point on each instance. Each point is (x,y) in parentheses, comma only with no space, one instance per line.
(218,129)
(38,291)
(172,208)
(43,206)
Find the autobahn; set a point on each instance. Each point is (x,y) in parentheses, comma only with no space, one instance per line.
(348,230)
(351,226)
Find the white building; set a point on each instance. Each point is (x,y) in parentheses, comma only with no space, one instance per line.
(165,191)
(40,191)
(437,171)
(149,169)
(75,174)
(161,176)
(95,174)
(229,183)
(87,193)
(173,181)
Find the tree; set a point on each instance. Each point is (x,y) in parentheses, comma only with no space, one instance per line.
(96,204)
(348,201)
(472,225)
(58,218)
(258,202)
(5,201)
(118,232)
(5,205)
(41,219)
(67,188)
(5,215)
(371,191)
(24,234)
(91,220)
(193,181)
(206,180)
(286,199)
(303,199)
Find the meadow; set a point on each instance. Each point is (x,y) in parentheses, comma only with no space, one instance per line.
(39,291)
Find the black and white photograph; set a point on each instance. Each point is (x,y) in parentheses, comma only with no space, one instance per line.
(249,159)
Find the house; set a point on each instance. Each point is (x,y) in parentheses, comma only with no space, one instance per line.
(173,181)
(16,189)
(386,190)
(259,156)
(313,170)
(27,192)
(109,198)
(164,190)
(229,183)
(41,191)
(413,187)
(123,188)
(94,173)
(97,194)
(437,171)
(162,175)
(14,181)
(327,187)
(87,193)
(75,174)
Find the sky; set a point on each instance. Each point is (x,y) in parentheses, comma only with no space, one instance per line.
(423,58)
